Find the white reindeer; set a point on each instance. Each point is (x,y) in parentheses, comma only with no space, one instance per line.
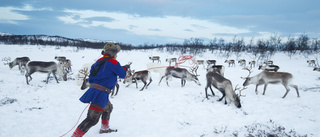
(311,63)
(230,62)
(265,78)
(252,63)
(169,60)
(181,73)
(224,86)
(274,68)
(143,75)
(45,67)
(153,58)
(242,62)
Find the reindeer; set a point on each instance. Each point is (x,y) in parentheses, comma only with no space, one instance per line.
(311,63)
(218,68)
(316,69)
(274,68)
(252,63)
(211,63)
(153,58)
(45,67)
(86,84)
(171,60)
(269,62)
(224,86)
(67,65)
(60,58)
(20,61)
(230,62)
(66,62)
(242,62)
(181,73)
(200,62)
(266,78)
(143,75)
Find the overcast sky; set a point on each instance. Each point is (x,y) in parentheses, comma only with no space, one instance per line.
(161,21)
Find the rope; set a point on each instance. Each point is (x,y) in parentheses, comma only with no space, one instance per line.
(181,60)
(77,121)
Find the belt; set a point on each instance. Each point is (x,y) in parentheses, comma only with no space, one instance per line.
(100,87)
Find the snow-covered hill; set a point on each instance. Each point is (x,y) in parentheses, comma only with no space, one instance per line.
(52,109)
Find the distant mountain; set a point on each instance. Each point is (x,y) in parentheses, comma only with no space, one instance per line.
(6,38)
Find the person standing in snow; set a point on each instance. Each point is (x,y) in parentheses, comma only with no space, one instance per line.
(102,79)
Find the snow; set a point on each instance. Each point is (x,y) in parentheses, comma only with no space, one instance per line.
(53,109)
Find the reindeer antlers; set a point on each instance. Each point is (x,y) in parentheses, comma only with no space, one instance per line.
(84,71)
(6,60)
(248,74)
(194,70)
(240,90)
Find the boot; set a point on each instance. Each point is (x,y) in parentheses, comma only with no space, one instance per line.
(78,133)
(105,127)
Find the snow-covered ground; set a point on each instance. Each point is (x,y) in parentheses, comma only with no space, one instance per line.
(45,110)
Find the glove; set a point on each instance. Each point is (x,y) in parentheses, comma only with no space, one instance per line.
(126,67)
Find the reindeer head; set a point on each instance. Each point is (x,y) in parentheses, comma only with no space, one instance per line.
(7,61)
(85,82)
(236,97)
(247,79)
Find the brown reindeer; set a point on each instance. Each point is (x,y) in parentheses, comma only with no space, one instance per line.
(224,86)
(20,61)
(265,78)
(181,73)
(45,67)
(133,77)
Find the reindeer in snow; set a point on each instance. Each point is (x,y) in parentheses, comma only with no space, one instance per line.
(181,73)
(224,86)
(231,62)
(153,58)
(20,61)
(133,77)
(45,67)
(171,60)
(265,78)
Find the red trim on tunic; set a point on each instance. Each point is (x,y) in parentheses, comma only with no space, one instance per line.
(96,109)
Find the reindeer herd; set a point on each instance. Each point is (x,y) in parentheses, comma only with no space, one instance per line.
(62,68)
(214,76)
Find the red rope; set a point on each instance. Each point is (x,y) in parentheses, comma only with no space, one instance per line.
(77,121)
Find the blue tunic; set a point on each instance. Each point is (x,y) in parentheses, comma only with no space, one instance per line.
(107,77)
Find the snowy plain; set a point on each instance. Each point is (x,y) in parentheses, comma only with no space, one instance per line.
(53,109)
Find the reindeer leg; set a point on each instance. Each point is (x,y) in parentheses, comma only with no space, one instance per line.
(145,84)
(150,80)
(136,83)
(117,86)
(167,81)
(223,94)
(161,80)
(55,77)
(287,90)
(256,89)
(264,89)
(295,87)
(212,91)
